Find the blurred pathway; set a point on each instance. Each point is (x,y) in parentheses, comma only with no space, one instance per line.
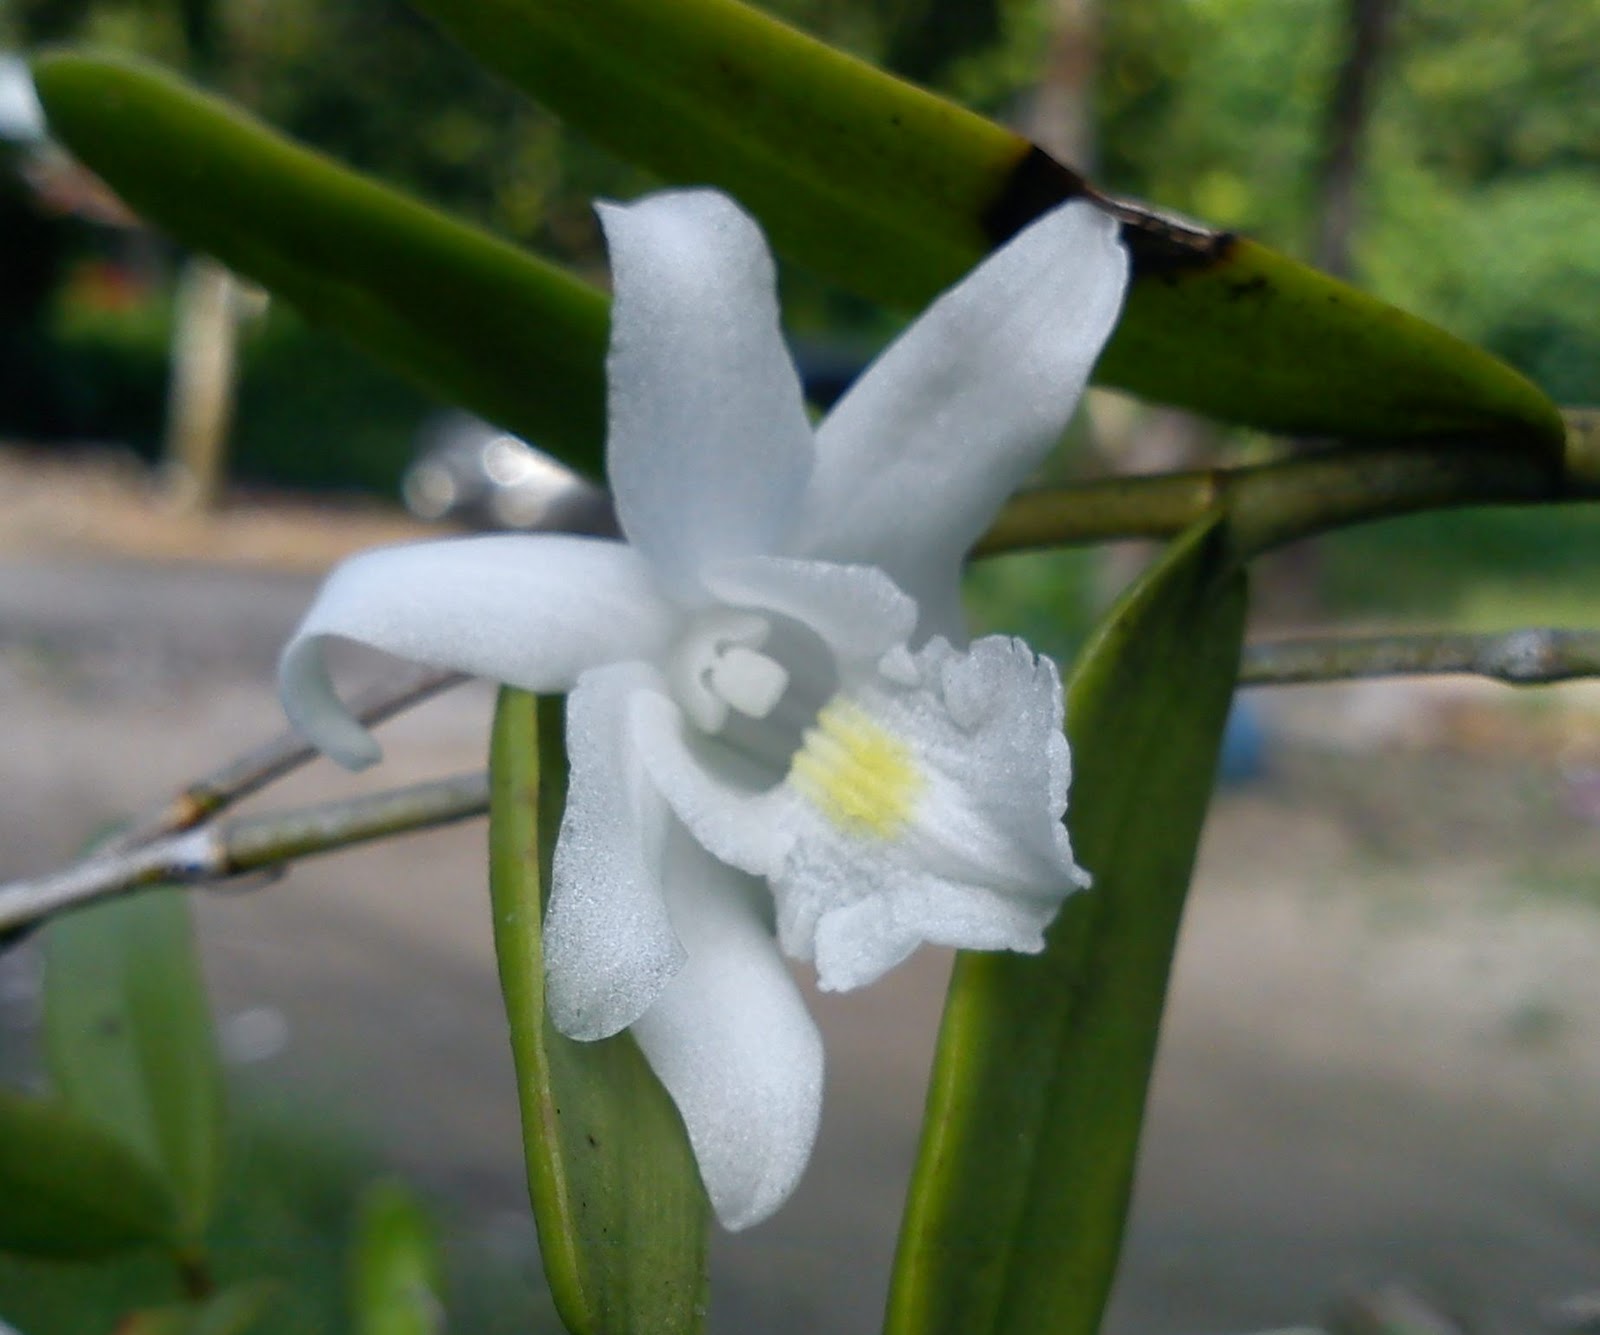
(1374,1069)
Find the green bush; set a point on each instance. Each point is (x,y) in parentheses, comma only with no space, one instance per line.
(312,413)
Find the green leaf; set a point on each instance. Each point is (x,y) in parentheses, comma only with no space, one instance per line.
(129,1041)
(1026,1164)
(69,1191)
(231,1312)
(621,1213)
(397,1283)
(1252,336)
(514,339)
(895,193)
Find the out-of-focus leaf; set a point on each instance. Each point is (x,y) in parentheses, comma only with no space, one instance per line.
(232,1312)
(70,1191)
(1021,1189)
(483,324)
(129,1040)
(616,1195)
(895,193)
(397,1282)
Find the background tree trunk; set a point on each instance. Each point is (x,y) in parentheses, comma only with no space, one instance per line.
(200,403)
(1336,197)
(1061,117)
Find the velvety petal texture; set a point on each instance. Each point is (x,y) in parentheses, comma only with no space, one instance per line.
(531,611)
(609,944)
(732,1041)
(708,443)
(778,741)
(914,461)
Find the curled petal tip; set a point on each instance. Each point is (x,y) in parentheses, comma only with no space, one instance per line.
(315,710)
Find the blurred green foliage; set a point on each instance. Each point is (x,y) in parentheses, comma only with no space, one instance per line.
(1483,143)
(1480,569)
(315,414)
(1477,202)
(289,1202)
(1480,185)
(312,414)
(1050,599)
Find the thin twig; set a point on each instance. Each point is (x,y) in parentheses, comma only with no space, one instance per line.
(218,851)
(1273,503)
(208,797)
(1520,658)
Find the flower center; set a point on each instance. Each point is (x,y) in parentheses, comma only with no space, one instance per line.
(858,774)
(717,667)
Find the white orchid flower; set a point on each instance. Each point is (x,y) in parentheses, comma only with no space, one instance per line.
(774,738)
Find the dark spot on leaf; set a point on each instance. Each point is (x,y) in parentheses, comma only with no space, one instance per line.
(1035,185)
(593,1143)
(1255,286)
(1160,244)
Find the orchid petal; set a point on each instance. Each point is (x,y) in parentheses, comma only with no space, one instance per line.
(709,445)
(529,610)
(914,462)
(732,1041)
(856,611)
(608,941)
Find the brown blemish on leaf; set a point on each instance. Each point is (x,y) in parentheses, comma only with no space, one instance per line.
(1034,186)
(1158,243)
(1256,286)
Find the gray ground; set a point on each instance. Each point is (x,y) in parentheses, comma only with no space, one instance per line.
(1380,1063)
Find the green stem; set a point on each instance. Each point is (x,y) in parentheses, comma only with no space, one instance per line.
(1279,502)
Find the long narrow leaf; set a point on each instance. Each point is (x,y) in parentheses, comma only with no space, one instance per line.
(129,1039)
(1017,1206)
(70,1191)
(616,1195)
(895,193)
(516,340)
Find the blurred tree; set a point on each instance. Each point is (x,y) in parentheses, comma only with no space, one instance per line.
(1485,186)
(1483,132)
(1483,138)
(1342,160)
(926,37)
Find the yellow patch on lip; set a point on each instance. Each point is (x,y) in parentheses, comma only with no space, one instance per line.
(857,774)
